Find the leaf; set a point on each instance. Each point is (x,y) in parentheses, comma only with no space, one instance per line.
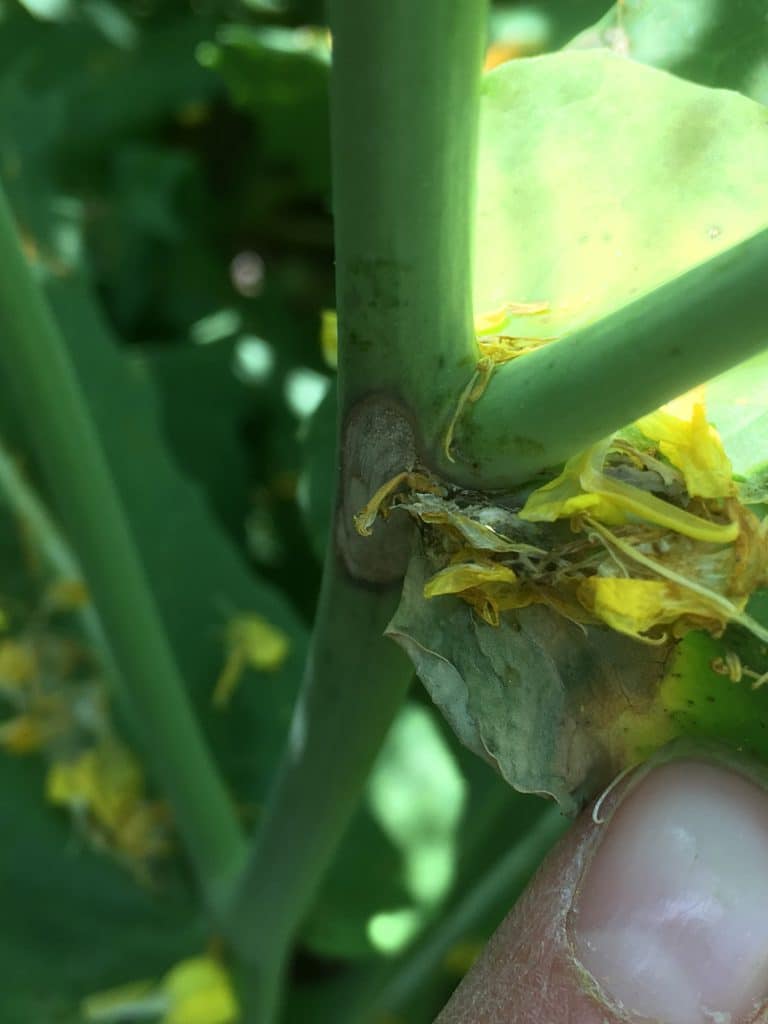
(556,710)
(198,577)
(714,42)
(600,178)
(72,913)
(736,405)
(280,76)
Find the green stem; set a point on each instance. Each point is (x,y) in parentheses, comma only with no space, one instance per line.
(404,109)
(355,682)
(405,97)
(35,358)
(540,409)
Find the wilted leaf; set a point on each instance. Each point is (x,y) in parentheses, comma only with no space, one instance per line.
(556,709)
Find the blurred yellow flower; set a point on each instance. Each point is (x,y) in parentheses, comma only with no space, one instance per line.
(195,991)
(251,641)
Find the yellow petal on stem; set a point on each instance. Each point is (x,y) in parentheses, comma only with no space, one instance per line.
(489,323)
(367,515)
(694,447)
(501,348)
(199,991)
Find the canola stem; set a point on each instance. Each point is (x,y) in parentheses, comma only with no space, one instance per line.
(541,409)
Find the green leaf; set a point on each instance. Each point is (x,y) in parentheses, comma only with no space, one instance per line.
(736,406)
(198,577)
(715,42)
(73,920)
(280,76)
(600,179)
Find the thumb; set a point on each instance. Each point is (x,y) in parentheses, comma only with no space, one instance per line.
(653,910)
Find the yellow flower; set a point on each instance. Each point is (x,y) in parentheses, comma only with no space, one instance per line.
(195,991)
(106,784)
(254,642)
(199,991)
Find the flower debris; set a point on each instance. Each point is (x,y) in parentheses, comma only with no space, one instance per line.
(643,532)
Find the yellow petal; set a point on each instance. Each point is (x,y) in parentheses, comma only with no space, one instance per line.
(582,487)
(695,448)
(199,991)
(487,586)
(502,349)
(565,496)
(637,504)
(636,606)
(465,576)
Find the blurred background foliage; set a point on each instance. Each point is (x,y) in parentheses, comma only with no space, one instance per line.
(168,165)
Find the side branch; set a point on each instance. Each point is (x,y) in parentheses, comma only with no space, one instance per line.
(543,407)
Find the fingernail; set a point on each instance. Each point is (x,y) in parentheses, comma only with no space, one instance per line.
(671,917)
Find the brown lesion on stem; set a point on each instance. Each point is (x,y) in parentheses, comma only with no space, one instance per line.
(378,441)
